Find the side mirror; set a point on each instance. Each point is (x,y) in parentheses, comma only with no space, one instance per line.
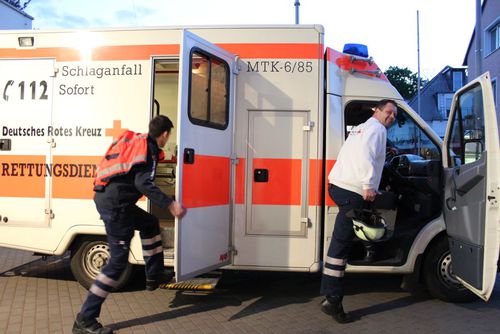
(473,151)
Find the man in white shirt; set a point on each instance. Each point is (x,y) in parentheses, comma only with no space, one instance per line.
(354,179)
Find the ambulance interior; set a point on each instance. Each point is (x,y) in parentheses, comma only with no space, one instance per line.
(165,90)
(413,173)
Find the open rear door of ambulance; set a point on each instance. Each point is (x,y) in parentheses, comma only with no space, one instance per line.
(471,156)
(204,173)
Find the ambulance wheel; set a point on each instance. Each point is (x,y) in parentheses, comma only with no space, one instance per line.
(438,275)
(89,254)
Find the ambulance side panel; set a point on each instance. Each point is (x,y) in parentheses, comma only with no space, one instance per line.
(279,108)
(100,84)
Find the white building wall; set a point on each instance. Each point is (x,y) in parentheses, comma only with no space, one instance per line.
(11,18)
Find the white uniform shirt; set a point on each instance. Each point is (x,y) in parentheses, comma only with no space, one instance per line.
(361,159)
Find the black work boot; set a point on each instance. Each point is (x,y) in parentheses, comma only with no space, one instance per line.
(92,326)
(332,305)
(154,283)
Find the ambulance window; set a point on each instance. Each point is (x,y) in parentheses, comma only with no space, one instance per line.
(408,138)
(467,133)
(404,136)
(357,113)
(209,89)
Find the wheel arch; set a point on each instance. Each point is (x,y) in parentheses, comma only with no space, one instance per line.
(437,238)
(75,233)
(429,234)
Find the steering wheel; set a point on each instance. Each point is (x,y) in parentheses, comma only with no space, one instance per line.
(392,175)
(390,153)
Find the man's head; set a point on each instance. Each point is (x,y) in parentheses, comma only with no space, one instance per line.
(159,128)
(385,112)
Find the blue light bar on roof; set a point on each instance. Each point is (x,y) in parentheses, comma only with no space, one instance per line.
(356,49)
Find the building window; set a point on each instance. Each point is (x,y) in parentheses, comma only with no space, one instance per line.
(492,37)
(457,80)
(444,104)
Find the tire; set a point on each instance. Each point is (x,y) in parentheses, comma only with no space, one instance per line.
(89,254)
(438,275)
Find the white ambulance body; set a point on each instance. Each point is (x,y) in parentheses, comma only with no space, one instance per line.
(260,113)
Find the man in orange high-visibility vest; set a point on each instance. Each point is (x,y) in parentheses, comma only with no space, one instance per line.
(127,173)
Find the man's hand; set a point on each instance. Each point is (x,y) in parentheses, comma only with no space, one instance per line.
(369,195)
(176,209)
(390,152)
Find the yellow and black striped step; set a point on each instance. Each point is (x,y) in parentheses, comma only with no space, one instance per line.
(200,284)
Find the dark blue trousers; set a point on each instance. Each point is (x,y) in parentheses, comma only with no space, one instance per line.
(120,225)
(340,244)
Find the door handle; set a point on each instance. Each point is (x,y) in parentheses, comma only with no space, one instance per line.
(5,144)
(466,187)
(261,175)
(189,156)
(450,204)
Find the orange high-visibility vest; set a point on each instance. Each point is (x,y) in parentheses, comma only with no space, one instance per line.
(128,150)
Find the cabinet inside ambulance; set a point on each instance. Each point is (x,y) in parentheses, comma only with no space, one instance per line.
(165,98)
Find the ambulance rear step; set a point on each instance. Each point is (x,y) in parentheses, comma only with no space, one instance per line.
(195,284)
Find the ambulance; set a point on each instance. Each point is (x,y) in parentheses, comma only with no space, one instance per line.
(260,114)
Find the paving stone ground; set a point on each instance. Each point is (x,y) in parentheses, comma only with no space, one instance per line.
(41,296)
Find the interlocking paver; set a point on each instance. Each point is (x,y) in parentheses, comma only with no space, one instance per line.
(38,296)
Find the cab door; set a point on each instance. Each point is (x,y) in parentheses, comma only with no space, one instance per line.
(471,156)
(204,137)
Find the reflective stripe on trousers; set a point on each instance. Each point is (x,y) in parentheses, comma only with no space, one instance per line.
(120,226)
(107,280)
(340,244)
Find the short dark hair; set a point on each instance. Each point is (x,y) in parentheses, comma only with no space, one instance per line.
(381,104)
(160,124)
